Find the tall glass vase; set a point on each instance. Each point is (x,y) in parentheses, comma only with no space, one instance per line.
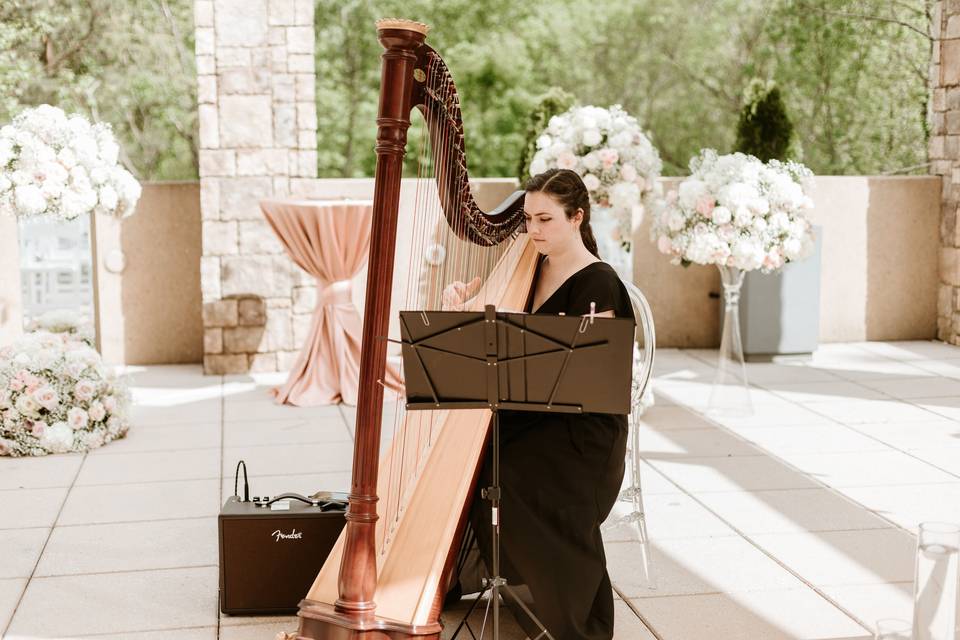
(730,395)
(935,584)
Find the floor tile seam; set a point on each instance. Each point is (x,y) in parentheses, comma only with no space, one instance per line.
(33,570)
(80,574)
(219,476)
(646,623)
(113,454)
(125,571)
(773,558)
(777,590)
(107,454)
(841,424)
(905,452)
(116,522)
(792,532)
(141,630)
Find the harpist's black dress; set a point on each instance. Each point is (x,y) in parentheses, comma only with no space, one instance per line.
(561,474)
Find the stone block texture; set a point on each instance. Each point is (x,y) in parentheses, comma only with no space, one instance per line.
(258,130)
(944,154)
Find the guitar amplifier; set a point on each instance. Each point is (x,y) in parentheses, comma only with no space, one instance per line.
(272,549)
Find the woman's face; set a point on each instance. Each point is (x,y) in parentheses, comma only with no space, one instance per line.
(548,225)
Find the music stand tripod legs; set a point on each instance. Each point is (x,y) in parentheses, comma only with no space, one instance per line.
(497,583)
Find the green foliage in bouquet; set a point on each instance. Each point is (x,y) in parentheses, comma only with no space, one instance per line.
(552,103)
(764,129)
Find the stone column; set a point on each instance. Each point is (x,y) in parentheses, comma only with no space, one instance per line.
(944,154)
(257,113)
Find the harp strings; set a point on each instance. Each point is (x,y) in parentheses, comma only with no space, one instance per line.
(438,256)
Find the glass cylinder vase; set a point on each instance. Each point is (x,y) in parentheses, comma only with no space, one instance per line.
(936,581)
(730,395)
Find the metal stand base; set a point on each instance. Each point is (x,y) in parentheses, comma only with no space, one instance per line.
(496,584)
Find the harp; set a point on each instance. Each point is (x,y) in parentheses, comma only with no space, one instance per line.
(386,576)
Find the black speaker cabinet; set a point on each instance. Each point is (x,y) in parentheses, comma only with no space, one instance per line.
(269,558)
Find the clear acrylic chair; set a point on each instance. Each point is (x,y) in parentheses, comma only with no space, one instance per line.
(628,516)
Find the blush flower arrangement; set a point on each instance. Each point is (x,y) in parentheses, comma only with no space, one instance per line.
(56,396)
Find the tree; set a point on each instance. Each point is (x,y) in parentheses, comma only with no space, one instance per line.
(764,129)
(129,63)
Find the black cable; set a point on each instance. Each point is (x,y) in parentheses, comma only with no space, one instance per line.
(246,486)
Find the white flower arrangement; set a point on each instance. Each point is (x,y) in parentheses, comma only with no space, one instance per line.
(52,164)
(618,163)
(56,396)
(737,211)
(67,321)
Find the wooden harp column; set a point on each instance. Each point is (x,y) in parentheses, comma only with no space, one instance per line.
(358,580)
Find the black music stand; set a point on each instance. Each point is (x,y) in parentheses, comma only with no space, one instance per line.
(516,361)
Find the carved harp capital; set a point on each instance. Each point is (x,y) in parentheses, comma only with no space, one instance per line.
(400,23)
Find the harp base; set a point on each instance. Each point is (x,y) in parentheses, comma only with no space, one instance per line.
(321,621)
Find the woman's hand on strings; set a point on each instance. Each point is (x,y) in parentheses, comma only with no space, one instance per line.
(456,294)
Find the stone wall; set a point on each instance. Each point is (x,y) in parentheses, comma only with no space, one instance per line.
(258,122)
(945,160)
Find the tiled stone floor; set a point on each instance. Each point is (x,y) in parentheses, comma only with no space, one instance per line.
(797,522)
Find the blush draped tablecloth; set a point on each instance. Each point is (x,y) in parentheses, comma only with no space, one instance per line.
(329,239)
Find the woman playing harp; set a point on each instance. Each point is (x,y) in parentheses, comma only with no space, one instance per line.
(561,473)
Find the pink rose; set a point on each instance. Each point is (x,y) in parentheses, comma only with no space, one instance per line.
(96,411)
(38,428)
(84,390)
(46,397)
(77,418)
(641,183)
(567,160)
(705,206)
(664,244)
(629,173)
(608,157)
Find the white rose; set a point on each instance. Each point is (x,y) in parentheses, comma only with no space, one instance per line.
(109,151)
(29,200)
(676,221)
(27,405)
(115,426)
(77,418)
(58,438)
(99,175)
(5,183)
(108,198)
(97,411)
(721,215)
(742,217)
(629,173)
(538,165)
(75,202)
(110,403)
(47,397)
(759,224)
(591,161)
(544,141)
(690,191)
(591,182)
(67,158)
(592,137)
(621,140)
(792,248)
(6,151)
(624,195)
